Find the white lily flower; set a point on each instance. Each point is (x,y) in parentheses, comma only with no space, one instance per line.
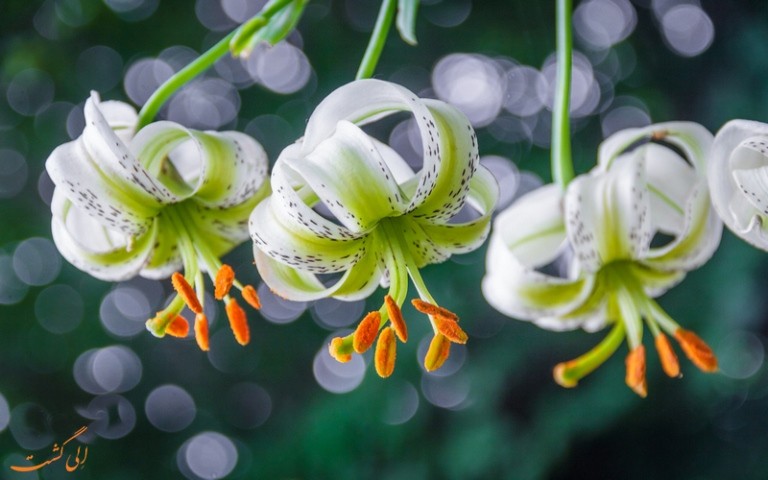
(738,173)
(154,202)
(389,220)
(606,221)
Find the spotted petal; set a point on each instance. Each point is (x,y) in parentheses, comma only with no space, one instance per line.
(95,249)
(349,174)
(446,239)
(607,214)
(219,169)
(288,231)
(741,145)
(449,145)
(299,285)
(528,235)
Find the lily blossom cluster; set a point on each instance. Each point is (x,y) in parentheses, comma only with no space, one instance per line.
(156,202)
(649,184)
(345,203)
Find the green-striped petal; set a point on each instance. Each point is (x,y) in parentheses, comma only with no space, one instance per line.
(608,214)
(348,174)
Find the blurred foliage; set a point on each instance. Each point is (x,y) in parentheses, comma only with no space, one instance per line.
(516,422)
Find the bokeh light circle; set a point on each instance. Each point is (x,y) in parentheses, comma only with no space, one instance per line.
(36,261)
(207,455)
(170,408)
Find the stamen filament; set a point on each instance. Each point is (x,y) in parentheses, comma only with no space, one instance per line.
(568,374)
(159,323)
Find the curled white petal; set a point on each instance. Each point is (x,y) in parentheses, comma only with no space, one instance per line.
(739,145)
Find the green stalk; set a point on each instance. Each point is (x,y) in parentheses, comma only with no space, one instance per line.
(378,38)
(199,65)
(562,163)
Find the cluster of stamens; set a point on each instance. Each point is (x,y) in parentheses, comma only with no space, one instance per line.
(697,351)
(177,325)
(444,322)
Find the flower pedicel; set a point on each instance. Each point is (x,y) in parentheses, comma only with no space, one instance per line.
(389,220)
(154,202)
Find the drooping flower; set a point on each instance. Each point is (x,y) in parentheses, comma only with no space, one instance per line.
(388,221)
(155,202)
(738,179)
(605,229)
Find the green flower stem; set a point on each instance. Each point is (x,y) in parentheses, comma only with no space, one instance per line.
(378,38)
(562,164)
(199,65)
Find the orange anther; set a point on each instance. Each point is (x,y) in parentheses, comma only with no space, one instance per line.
(179,327)
(251,297)
(396,318)
(669,362)
(366,332)
(635,377)
(339,351)
(439,348)
(238,322)
(223,283)
(384,358)
(186,292)
(434,310)
(201,332)
(450,328)
(696,350)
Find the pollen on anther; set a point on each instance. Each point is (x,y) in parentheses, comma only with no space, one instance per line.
(384,358)
(366,332)
(696,350)
(439,349)
(669,362)
(186,292)
(238,321)
(396,318)
(179,327)
(251,297)
(225,277)
(451,329)
(201,332)
(434,310)
(635,377)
